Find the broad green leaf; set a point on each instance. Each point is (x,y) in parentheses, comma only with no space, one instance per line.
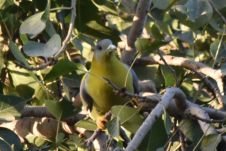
(36,23)
(217,23)
(33,25)
(217,50)
(105,6)
(169,76)
(155,138)
(87,124)
(219,4)
(25,91)
(223,69)
(61,109)
(50,29)
(4,146)
(191,130)
(162,4)
(167,122)
(154,30)
(185,36)
(24,38)
(38,141)
(20,76)
(2,3)
(192,8)
(11,139)
(64,67)
(60,138)
(45,16)
(10,107)
(35,49)
(129,117)
(77,43)
(146,46)
(90,22)
(210,142)
(199,11)
(113,127)
(17,54)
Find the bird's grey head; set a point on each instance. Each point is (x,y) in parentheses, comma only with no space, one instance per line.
(104,49)
(104,44)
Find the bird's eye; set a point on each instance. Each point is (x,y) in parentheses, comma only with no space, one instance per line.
(99,47)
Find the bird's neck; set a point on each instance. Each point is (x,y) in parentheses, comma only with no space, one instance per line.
(104,64)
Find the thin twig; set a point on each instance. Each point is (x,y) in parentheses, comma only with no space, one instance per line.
(97,132)
(124,93)
(205,120)
(70,29)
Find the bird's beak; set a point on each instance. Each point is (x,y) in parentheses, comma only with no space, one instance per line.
(111,47)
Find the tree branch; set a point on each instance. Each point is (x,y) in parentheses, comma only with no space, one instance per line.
(197,67)
(137,27)
(154,115)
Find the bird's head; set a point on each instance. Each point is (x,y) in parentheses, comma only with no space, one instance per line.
(104,49)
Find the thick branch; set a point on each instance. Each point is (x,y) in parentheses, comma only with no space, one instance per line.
(154,115)
(137,27)
(194,66)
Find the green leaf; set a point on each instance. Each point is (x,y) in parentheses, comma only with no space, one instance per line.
(199,11)
(168,75)
(20,76)
(191,130)
(60,138)
(61,109)
(35,49)
(11,139)
(155,138)
(129,117)
(10,107)
(50,29)
(45,16)
(147,45)
(105,6)
(2,3)
(36,23)
(24,38)
(113,127)
(167,122)
(38,141)
(210,142)
(17,54)
(162,4)
(25,91)
(33,25)
(64,67)
(219,4)
(217,50)
(87,124)
(4,146)
(90,22)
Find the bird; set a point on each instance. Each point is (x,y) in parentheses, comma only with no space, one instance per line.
(96,94)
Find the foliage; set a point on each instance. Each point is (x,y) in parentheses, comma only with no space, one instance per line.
(32,33)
